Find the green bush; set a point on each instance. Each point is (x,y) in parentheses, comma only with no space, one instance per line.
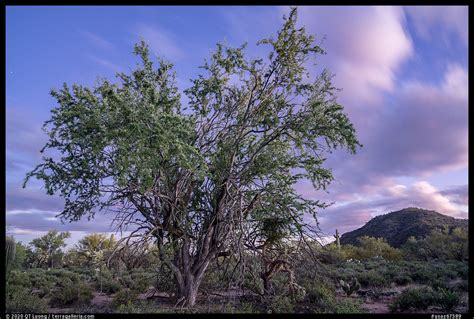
(71,293)
(321,298)
(372,278)
(414,299)
(280,304)
(19,299)
(124,297)
(137,280)
(447,299)
(402,280)
(19,278)
(42,281)
(347,306)
(246,307)
(109,286)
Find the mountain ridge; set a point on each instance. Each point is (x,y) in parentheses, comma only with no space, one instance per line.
(396,227)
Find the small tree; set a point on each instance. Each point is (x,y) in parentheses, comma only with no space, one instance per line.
(93,248)
(197,181)
(47,249)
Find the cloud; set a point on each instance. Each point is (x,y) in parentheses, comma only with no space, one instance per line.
(435,22)
(422,131)
(458,194)
(365,46)
(161,42)
(105,63)
(97,40)
(37,220)
(354,214)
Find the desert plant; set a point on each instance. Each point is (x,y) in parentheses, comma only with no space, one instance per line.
(19,299)
(447,299)
(280,304)
(124,297)
(322,298)
(414,299)
(347,306)
(402,280)
(350,287)
(71,293)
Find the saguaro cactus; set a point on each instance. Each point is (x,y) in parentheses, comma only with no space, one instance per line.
(10,249)
(338,243)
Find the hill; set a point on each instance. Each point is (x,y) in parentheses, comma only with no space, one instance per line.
(397,226)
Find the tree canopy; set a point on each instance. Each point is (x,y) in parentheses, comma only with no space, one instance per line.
(216,175)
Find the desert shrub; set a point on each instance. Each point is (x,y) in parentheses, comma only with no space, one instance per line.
(19,278)
(105,282)
(372,278)
(370,247)
(447,299)
(19,299)
(108,286)
(347,306)
(414,299)
(280,304)
(137,280)
(124,297)
(423,275)
(443,244)
(71,293)
(402,279)
(321,298)
(41,281)
(331,254)
(246,307)
(460,286)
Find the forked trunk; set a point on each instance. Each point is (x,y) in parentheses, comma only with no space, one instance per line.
(188,286)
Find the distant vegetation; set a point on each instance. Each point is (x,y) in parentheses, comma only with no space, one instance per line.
(423,275)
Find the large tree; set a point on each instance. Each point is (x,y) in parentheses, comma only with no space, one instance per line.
(204,179)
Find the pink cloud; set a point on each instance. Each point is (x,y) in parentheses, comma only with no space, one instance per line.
(435,22)
(365,45)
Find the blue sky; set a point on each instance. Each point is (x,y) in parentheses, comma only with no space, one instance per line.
(403,71)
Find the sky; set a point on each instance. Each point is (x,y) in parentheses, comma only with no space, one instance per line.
(402,71)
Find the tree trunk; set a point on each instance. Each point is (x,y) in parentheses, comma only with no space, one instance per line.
(267,286)
(188,286)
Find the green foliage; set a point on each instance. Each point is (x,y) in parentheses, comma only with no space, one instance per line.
(414,299)
(370,247)
(422,298)
(48,251)
(246,307)
(106,283)
(280,304)
(348,306)
(125,297)
(447,299)
(92,249)
(372,278)
(137,280)
(332,254)
(402,280)
(350,287)
(20,299)
(42,281)
(321,298)
(253,129)
(447,244)
(71,292)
